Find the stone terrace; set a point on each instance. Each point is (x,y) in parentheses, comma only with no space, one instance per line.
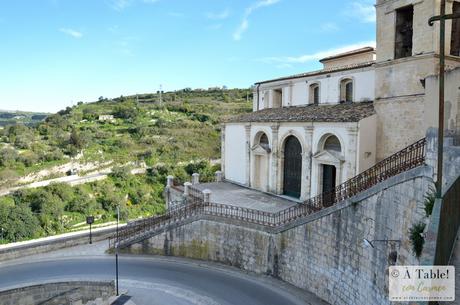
(232,194)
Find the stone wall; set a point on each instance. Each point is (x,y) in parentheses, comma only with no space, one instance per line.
(59,293)
(399,124)
(322,253)
(48,244)
(451,157)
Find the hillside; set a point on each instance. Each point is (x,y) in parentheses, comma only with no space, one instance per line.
(179,136)
(22,117)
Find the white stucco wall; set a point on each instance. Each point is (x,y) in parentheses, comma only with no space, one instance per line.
(367,143)
(296,91)
(235,150)
(322,130)
(356,140)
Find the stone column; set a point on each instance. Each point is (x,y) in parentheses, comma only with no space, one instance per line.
(305,192)
(207,196)
(222,148)
(186,188)
(169,181)
(273,170)
(218,176)
(247,128)
(351,152)
(195,178)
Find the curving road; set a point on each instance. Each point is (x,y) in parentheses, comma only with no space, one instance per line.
(155,281)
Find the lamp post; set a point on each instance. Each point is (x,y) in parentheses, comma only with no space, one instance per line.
(442,62)
(90,221)
(116,250)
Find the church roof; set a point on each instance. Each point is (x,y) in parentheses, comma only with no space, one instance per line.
(349,53)
(344,112)
(323,71)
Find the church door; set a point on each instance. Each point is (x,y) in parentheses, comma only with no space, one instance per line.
(329,175)
(292,167)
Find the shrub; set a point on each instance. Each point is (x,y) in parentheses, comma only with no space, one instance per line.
(417,239)
(430,198)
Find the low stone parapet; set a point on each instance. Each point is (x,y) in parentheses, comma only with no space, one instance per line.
(71,293)
(52,243)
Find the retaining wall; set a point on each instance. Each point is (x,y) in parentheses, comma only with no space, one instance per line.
(323,253)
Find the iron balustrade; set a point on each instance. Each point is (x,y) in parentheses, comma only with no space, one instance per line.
(449,224)
(410,157)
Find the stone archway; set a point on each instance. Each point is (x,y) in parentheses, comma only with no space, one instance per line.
(292,171)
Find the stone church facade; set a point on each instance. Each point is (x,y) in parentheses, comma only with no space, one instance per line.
(310,132)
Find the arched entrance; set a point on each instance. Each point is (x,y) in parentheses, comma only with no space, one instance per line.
(292,167)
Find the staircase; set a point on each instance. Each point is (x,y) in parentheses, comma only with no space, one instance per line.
(408,158)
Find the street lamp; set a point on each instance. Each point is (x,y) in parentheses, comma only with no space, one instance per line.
(116,249)
(90,221)
(442,62)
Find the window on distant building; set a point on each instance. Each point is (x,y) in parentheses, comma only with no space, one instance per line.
(314,94)
(404,31)
(455,38)
(346,90)
(277,98)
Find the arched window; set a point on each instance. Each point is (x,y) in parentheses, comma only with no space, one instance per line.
(314,94)
(332,143)
(263,142)
(346,90)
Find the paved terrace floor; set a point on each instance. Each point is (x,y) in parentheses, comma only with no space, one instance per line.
(232,194)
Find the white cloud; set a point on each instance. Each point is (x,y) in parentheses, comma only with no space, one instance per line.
(218,16)
(244,25)
(71,32)
(120,5)
(216,26)
(315,56)
(329,27)
(364,11)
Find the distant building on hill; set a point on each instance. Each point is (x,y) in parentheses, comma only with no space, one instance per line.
(106,117)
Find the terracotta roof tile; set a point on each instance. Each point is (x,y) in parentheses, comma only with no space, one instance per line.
(344,112)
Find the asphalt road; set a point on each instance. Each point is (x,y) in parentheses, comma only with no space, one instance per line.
(155,282)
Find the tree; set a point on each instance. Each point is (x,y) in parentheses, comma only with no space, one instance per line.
(7,157)
(18,223)
(77,140)
(28,158)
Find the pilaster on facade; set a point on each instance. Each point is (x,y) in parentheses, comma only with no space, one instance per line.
(351,152)
(222,143)
(305,192)
(274,173)
(247,128)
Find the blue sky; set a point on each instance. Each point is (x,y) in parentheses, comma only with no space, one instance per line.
(58,52)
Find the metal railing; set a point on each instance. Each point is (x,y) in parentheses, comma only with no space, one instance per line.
(449,224)
(410,157)
(406,159)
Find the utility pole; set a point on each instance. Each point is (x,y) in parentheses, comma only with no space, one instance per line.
(161,88)
(442,62)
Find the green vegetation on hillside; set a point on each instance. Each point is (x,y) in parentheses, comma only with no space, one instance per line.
(23,117)
(179,136)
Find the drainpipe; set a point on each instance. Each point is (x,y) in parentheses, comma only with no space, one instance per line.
(258,96)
